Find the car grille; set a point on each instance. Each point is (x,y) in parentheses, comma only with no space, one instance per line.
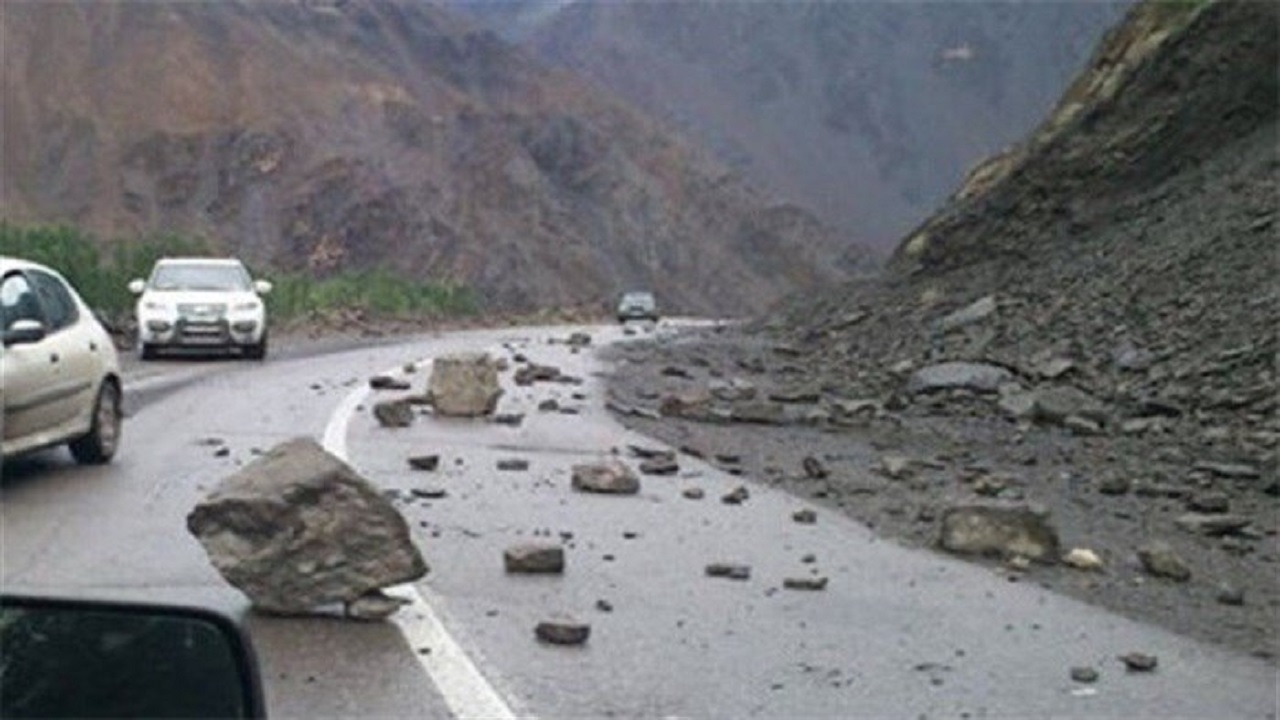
(206,312)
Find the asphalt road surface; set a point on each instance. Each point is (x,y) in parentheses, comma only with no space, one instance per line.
(896,633)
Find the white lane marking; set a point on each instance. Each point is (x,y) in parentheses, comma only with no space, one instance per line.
(464,689)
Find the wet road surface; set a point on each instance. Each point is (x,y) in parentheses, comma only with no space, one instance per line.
(896,632)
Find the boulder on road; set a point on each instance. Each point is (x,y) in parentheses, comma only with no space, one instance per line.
(464,385)
(297,528)
(534,558)
(1000,529)
(393,413)
(1160,559)
(612,477)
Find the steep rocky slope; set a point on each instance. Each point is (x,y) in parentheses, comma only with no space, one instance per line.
(340,135)
(1089,324)
(867,112)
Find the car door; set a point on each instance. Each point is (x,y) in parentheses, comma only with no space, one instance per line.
(73,344)
(29,370)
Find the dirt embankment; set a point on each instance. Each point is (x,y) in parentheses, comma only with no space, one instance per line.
(1109,287)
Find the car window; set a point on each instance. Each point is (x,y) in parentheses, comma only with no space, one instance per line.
(200,277)
(60,308)
(18,301)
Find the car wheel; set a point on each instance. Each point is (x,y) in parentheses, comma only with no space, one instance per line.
(147,351)
(257,351)
(99,444)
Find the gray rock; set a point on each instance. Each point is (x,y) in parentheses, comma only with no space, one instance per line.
(999,529)
(796,396)
(1213,524)
(1159,558)
(532,373)
(979,377)
(612,477)
(1017,404)
(1235,471)
(760,412)
(297,528)
(552,405)
(429,493)
(1115,485)
(1057,404)
(734,390)
(691,405)
(1084,674)
(1209,502)
(975,312)
(1054,368)
(511,419)
(895,467)
(426,463)
(560,632)
(814,469)
(737,496)
(513,465)
(534,558)
(373,605)
(731,571)
(393,413)
(694,493)
(386,382)
(464,385)
(806,516)
(1139,662)
(805,583)
(1082,425)
(659,466)
(1229,594)
(578,339)
(646,453)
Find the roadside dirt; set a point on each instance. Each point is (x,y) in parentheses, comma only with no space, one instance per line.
(1107,493)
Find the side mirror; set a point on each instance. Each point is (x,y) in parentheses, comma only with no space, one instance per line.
(262,287)
(24,332)
(74,658)
(137,286)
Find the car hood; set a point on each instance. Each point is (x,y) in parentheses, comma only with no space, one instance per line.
(183,297)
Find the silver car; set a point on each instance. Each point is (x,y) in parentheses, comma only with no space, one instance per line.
(637,306)
(59,374)
(204,303)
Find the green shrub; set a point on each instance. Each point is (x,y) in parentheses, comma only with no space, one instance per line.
(101,274)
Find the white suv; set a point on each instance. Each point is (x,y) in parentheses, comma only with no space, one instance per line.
(59,374)
(201,303)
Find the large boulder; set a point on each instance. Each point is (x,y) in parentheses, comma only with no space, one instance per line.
(1005,530)
(464,385)
(610,477)
(297,528)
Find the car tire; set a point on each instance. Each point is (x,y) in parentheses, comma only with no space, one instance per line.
(147,351)
(98,446)
(257,351)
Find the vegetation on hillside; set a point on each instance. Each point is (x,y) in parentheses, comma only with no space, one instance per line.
(101,274)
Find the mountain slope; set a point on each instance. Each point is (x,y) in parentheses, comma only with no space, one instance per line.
(867,112)
(336,135)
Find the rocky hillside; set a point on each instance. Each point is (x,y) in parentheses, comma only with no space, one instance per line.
(869,113)
(334,135)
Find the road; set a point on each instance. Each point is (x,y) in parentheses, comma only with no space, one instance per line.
(896,633)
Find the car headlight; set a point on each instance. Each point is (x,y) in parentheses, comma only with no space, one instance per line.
(250,306)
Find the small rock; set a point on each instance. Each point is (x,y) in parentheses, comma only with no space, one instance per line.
(809,558)
(761,412)
(429,493)
(737,496)
(222,451)
(386,382)
(1084,674)
(1139,662)
(562,633)
(549,405)
(612,477)
(729,570)
(814,469)
(373,605)
(1212,524)
(978,377)
(1082,425)
(660,466)
(999,529)
(393,413)
(1159,558)
(1236,471)
(694,493)
(676,372)
(1114,485)
(728,458)
(975,312)
(534,558)
(512,419)
(895,467)
(645,453)
(1082,559)
(805,583)
(604,606)
(806,516)
(578,339)
(1229,594)
(513,465)
(426,463)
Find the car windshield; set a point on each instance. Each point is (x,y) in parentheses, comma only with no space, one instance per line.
(199,277)
(637,299)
